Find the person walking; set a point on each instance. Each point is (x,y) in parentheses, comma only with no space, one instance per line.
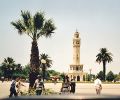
(72,86)
(38,85)
(98,85)
(2,79)
(55,80)
(19,86)
(65,85)
(13,88)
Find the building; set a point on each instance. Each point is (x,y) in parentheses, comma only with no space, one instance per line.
(76,69)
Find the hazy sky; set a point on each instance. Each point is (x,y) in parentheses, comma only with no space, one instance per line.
(97,21)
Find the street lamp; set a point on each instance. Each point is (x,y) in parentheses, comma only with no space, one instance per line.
(90,73)
(43,61)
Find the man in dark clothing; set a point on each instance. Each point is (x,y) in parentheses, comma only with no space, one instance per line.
(72,85)
(13,88)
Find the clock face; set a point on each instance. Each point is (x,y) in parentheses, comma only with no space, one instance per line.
(77,35)
(77,42)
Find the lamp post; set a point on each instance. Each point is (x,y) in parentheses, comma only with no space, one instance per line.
(90,73)
(43,61)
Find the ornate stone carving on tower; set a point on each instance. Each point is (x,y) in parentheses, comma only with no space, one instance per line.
(76,69)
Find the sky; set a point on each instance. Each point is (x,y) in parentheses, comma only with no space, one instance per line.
(97,21)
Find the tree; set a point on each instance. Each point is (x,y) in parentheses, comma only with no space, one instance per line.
(84,78)
(26,70)
(62,75)
(46,64)
(104,56)
(7,67)
(22,71)
(35,27)
(53,72)
(1,72)
(100,75)
(87,77)
(117,77)
(110,76)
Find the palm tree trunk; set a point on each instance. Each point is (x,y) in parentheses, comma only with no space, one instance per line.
(43,72)
(34,63)
(104,69)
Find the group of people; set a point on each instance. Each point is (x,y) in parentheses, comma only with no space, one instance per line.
(16,83)
(67,86)
(15,88)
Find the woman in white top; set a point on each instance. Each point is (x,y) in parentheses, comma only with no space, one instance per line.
(38,85)
(19,86)
(98,85)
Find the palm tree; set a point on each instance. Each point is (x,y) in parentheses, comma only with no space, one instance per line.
(35,27)
(8,66)
(104,56)
(45,63)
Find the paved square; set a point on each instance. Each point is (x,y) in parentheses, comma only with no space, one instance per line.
(81,88)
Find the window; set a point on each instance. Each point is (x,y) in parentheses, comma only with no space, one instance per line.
(77,68)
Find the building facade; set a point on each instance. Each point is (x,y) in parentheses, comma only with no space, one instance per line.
(76,69)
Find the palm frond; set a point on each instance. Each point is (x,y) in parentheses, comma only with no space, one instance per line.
(47,59)
(10,60)
(104,55)
(48,28)
(19,26)
(26,18)
(34,26)
(38,20)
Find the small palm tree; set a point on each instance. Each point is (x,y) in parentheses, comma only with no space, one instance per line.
(45,63)
(104,56)
(35,27)
(8,66)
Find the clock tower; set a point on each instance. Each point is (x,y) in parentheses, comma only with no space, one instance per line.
(76,49)
(76,69)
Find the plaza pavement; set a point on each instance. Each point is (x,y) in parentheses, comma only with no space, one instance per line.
(81,89)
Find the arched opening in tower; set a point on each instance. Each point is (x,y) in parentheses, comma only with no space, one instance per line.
(78,78)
